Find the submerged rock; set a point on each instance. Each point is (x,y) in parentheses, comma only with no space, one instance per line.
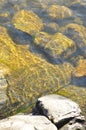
(56,46)
(27,21)
(51,27)
(29,76)
(80,69)
(77,33)
(79,74)
(4,17)
(59,12)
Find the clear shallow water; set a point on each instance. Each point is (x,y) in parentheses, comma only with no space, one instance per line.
(8,8)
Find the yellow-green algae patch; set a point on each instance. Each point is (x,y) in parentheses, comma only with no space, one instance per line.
(51,27)
(80,69)
(77,33)
(27,21)
(71,2)
(80,29)
(59,12)
(28,76)
(56,44)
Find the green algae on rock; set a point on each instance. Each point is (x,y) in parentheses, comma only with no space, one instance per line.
(71,2)
(7,48)
(80,69)
(79,74)
(59,12)
(51,27)
(55,45)
(27,21)
(77,33)
(28,75)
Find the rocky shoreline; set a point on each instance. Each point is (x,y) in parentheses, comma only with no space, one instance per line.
(51,112)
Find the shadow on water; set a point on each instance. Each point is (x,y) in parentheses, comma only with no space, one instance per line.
(18,36)
(79,81)
(80,11)
(23,38)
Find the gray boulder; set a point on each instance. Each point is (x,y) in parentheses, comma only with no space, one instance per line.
(60,110)
(3,90)
(26,122)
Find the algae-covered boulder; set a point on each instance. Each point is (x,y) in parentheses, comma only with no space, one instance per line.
(7,49)
(77,33)
(27,21)
(80,69)
(4,17)
(59,12)
(57,46)
(79,74)
(51,27)
(28,75)
(71,2)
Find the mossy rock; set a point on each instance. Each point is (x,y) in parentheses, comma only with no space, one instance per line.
(79,74)
(71,2)
(56,46)
(27,21)
(4,17)
(8,50)
(59,12)
(77,33)
(51,27)
(80,69)
(28,76)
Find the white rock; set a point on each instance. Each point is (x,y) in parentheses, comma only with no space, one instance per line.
(26,122)
(58,109)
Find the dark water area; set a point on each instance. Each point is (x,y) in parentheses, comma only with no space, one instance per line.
(8,8)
